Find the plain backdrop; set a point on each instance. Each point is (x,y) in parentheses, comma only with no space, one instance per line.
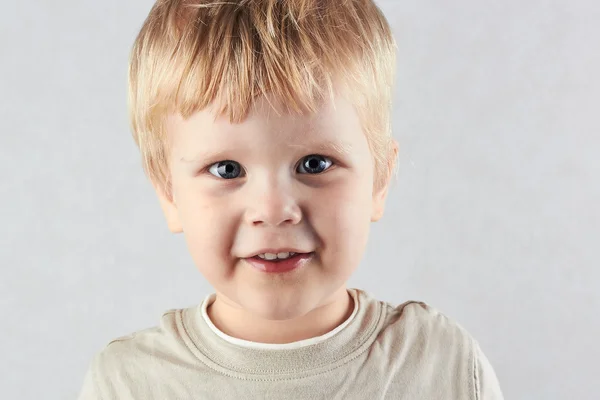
(494,218)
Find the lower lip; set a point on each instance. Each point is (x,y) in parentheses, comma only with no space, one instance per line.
(279,266)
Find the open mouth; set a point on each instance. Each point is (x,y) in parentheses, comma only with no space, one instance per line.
(277,257)
(280,263)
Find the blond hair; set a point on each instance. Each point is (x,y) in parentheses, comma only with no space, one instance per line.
(190,53)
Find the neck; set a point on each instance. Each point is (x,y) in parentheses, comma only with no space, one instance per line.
(238,323)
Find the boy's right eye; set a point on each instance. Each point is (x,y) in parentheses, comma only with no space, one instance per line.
(226,169)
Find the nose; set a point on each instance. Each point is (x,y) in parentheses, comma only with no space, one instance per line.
(274,205)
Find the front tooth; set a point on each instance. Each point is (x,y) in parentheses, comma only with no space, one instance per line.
(283,255)
(270,256)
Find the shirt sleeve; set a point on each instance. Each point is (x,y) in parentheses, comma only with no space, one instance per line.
(487,386)
(90,390)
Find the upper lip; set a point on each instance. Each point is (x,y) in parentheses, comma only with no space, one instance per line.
(276,251)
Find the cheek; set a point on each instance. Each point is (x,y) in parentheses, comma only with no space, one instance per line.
(344,220)
(207,227)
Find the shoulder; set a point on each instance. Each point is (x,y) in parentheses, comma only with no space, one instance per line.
(421,319)
(141,352)
(162,338)
(139,356)
(430,336)
(164,328)
(121,352)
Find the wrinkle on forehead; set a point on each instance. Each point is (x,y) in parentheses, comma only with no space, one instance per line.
(270,105)
(271,113)
(327,146)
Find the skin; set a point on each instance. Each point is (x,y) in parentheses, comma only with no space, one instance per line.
(273,202)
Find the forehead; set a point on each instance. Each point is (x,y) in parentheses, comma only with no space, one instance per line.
(268,115)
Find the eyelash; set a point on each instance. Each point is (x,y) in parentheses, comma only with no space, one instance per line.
(331,160)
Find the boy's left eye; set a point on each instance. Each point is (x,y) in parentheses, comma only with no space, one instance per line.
(314,164)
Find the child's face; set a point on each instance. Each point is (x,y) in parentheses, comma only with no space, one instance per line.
(270,195)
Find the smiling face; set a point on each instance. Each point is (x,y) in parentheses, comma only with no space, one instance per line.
(273,182)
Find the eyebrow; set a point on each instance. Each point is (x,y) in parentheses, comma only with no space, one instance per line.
(326,146)
(202,156)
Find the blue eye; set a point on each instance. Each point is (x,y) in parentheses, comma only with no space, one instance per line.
(314,164)
(226,169)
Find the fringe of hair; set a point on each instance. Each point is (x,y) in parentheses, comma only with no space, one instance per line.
(191,53)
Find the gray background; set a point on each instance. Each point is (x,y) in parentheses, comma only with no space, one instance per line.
(494,218)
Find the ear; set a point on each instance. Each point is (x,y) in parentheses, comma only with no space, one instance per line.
(169,207)
(380,194)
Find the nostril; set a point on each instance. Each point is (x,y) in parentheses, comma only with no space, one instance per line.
(272,211)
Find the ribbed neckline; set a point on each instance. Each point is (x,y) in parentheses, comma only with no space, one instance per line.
(256,345)
(251,360)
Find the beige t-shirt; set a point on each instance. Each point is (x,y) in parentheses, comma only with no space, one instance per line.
(409,351)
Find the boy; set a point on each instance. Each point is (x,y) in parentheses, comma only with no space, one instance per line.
(264,127)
